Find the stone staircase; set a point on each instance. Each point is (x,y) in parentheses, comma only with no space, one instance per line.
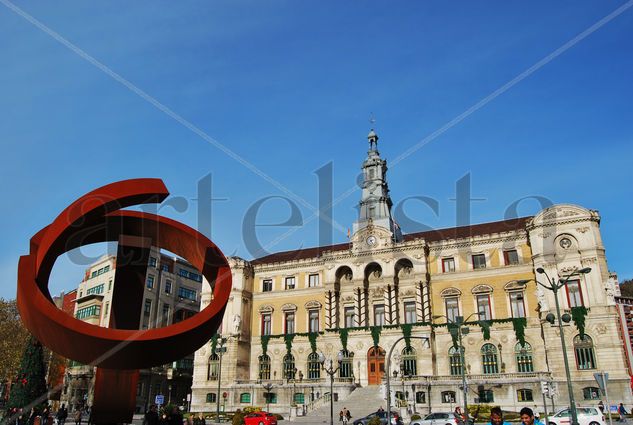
(361,402)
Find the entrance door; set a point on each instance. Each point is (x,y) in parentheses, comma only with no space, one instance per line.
(375,365)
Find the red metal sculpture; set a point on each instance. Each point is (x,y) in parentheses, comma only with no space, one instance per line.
(120,350)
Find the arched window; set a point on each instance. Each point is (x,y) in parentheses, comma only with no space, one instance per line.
(213,367)
(264,366)
(489,359)
(591,393)
(408,362)
(523,355)
(585,357)
(314,366)
(455,361)
(289,366)
(347,365)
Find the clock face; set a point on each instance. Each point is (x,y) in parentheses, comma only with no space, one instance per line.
(371,240)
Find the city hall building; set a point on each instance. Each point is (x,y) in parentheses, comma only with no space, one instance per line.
(356,301)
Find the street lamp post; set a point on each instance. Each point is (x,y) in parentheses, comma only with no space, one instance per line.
(331,371)
(267,387)
(388,368)
(554,286)
(220,350)
(461,331)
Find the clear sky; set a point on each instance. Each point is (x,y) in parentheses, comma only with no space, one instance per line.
(288,87)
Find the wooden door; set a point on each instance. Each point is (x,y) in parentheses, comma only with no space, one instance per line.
(375,365)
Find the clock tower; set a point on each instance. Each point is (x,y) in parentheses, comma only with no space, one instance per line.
(375,224)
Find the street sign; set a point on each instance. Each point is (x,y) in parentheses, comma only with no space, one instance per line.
(160,399)
(601,379)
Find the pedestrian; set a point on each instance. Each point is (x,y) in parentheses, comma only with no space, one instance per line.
(151,416)
(381,409)
(348,416)
(78,416)
(622,412)
(345,413)
(340,416)
(528,418)
(496,417)
(62,414)
(175,417)
(601,406)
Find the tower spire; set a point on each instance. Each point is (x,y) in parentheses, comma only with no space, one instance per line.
(375,203)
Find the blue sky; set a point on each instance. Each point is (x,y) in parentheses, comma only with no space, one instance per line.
(289,87)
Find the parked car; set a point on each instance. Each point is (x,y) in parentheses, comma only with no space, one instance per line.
(586,416)
(395,418)
(260,418)
(439,418)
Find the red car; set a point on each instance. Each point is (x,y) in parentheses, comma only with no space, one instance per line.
(260,418)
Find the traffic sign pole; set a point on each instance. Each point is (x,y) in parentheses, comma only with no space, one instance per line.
(605,377)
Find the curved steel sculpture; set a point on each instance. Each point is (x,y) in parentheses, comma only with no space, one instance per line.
(121,349)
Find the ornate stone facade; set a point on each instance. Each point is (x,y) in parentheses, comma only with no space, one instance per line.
(347,298)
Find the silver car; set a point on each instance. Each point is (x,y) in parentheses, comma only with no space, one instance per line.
(438,418)
(586,416)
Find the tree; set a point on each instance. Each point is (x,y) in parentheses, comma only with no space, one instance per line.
(626,288)
(13,339)
(30,384)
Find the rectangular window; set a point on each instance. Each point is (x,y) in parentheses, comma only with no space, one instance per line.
(483,307)
(109,284)
(150,281)
(372,212)
(479,261)
(511,257)
(95,290)
(165,267)
(190,275)
(486,396)
(524,395)
(452,308)
(152,262)
(349,317)
(574,293)
(245,398)
(93,310)
(267,285)
(448,265)
(187,293)
(290,282)
(313,316)
(148,307)
(409,312)
(516,304)
(165,318)
(313,280)
(290,322)
(168,286)
(266,324)
(379,315)
(107,308)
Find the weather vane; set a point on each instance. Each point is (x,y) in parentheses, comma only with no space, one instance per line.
(372,120)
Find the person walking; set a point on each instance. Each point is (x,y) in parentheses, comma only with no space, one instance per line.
(151,416)
(348,416)
(601,406)
(78,416)
(344,414)
(622,412)
(62,414)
